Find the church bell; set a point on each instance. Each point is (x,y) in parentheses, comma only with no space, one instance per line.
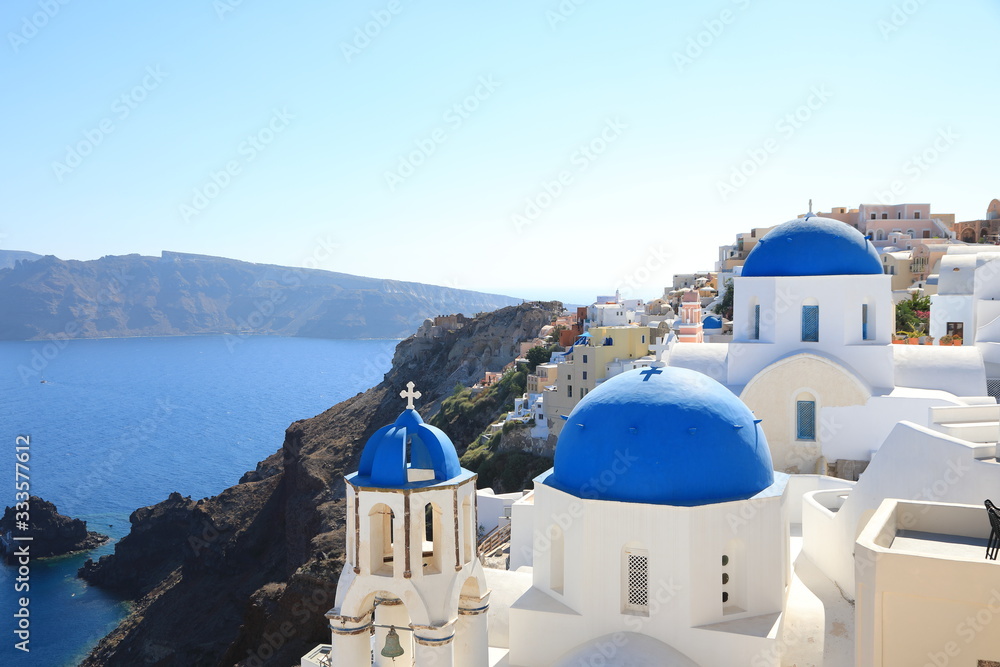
(392,648)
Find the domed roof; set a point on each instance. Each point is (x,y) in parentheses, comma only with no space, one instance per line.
(812,246)
(711,322)
(383,460)
(664,435)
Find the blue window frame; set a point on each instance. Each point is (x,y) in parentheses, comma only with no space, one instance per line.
(810,324)
(864,321)
(805,420)
(756,322)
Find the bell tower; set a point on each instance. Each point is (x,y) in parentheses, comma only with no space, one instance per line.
(412,577)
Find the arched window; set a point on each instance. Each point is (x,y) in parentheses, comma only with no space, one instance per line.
(635,581)
(557,558)
(380,540)
(805,417)
(912,233)
(879,235)
(753,328)
(432,539)
(810,321)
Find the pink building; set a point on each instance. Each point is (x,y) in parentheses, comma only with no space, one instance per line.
(689,330)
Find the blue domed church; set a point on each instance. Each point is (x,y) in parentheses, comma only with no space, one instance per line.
(659,533)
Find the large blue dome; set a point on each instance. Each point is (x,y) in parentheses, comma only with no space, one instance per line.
(812,246)
(665,435)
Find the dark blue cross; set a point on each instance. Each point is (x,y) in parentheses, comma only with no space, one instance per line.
(649,372)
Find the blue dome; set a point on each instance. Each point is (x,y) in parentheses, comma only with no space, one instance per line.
(383,460)
(668,436)
(812,246)
(711,322)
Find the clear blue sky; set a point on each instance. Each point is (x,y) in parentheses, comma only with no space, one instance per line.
(332,114)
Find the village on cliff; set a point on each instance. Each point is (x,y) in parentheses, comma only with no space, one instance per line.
(787,460)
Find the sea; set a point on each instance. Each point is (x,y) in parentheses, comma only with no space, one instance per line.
(111,425)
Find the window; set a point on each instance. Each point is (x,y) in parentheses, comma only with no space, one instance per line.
(885,216)
(380,539)
(899,216)
(643,339)
(916,215)
(879,235)
(569,391)
(810,324)
(636,575)
(585,375)
(873,216)
(557,552)
(584,358)
(864,322)
(955,329)
(432,539)
(805,420)
(755,323)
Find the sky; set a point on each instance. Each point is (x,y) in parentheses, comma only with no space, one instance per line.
(545,149)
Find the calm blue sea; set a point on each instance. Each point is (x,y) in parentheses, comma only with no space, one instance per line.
(121,423)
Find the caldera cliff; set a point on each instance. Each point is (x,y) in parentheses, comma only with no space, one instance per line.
(246,577)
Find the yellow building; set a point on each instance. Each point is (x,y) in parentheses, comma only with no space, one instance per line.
(600,353)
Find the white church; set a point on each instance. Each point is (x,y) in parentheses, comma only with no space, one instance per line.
(688,520)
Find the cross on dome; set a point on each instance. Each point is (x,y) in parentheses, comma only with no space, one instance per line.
(649,372)
(409,395)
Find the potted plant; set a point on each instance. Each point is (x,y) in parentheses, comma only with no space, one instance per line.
(899,338)
(928,340)
(914,338)
(946,340)
(956,341)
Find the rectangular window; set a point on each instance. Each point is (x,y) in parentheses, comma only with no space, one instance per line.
(805,420)
(916,215)
(899,216)
(873,216)
(864,321)
(955,329)
(810,324)
(885,216)
(756,322)
(569,391)
(584,358)
(636,581)
(585,375)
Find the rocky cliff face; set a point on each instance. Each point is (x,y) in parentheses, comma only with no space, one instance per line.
(53,534)
(245,577)
(180,294)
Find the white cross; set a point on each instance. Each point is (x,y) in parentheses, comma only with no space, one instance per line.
(409,395)
(659,348)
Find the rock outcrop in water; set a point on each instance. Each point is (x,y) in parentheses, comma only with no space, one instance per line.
(245,577)
(182,294)
(52,533)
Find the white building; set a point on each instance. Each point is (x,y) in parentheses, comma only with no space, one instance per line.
(811,355)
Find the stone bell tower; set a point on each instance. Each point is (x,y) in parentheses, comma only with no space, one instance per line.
(412,576)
